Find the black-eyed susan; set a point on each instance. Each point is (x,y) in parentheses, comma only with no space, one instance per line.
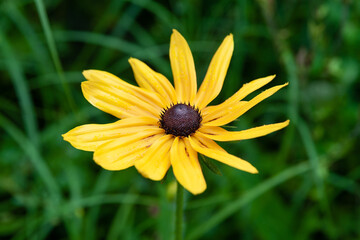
(163,126)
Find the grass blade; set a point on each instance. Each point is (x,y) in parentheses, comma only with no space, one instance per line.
(36,159)
(22,90)
(54,53)
(248,197)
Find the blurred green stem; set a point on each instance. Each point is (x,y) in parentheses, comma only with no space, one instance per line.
(35,157)
(22,90)
(288,59)
(286,56)
(54,53)
(179,212)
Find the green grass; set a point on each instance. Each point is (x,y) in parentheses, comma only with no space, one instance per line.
(308,185)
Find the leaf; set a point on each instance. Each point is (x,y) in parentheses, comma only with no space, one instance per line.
(210,165)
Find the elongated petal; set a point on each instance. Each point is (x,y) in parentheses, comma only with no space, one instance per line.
(123,152)
(156,160)
(110,80)
(215,76)
(183,68)
(151,80)
(186,167)
(88,137)
(248,88)
(220,134)
(245,90)
(210,149)
(210,114)
(235,111)
(117,102)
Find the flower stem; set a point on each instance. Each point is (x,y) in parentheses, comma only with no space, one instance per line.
(179,212)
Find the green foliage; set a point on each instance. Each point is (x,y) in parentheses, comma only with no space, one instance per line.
(308,185)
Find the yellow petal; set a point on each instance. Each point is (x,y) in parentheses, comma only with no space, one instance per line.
(186,167)
(123,152)
(88,137)
(183,68)
(248,88)
(116,101)
(151,80)
(234,111)
(156,161)
(214,79)
(105,78)
(220,134)
(212,113)
(210,149)
(245,90)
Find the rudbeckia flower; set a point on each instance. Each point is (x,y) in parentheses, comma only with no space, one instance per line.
(161,125)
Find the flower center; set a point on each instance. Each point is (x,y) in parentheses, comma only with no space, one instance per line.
(180,120)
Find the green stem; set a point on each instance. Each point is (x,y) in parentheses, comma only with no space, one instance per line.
(179,212)
(54,54)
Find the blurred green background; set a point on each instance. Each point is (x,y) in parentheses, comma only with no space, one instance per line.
(308,185)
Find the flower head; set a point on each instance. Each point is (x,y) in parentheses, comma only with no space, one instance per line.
(162,125)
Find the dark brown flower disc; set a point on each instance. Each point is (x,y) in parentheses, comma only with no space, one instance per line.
(180,120)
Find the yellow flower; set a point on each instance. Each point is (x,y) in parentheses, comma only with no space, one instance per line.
(163,126)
